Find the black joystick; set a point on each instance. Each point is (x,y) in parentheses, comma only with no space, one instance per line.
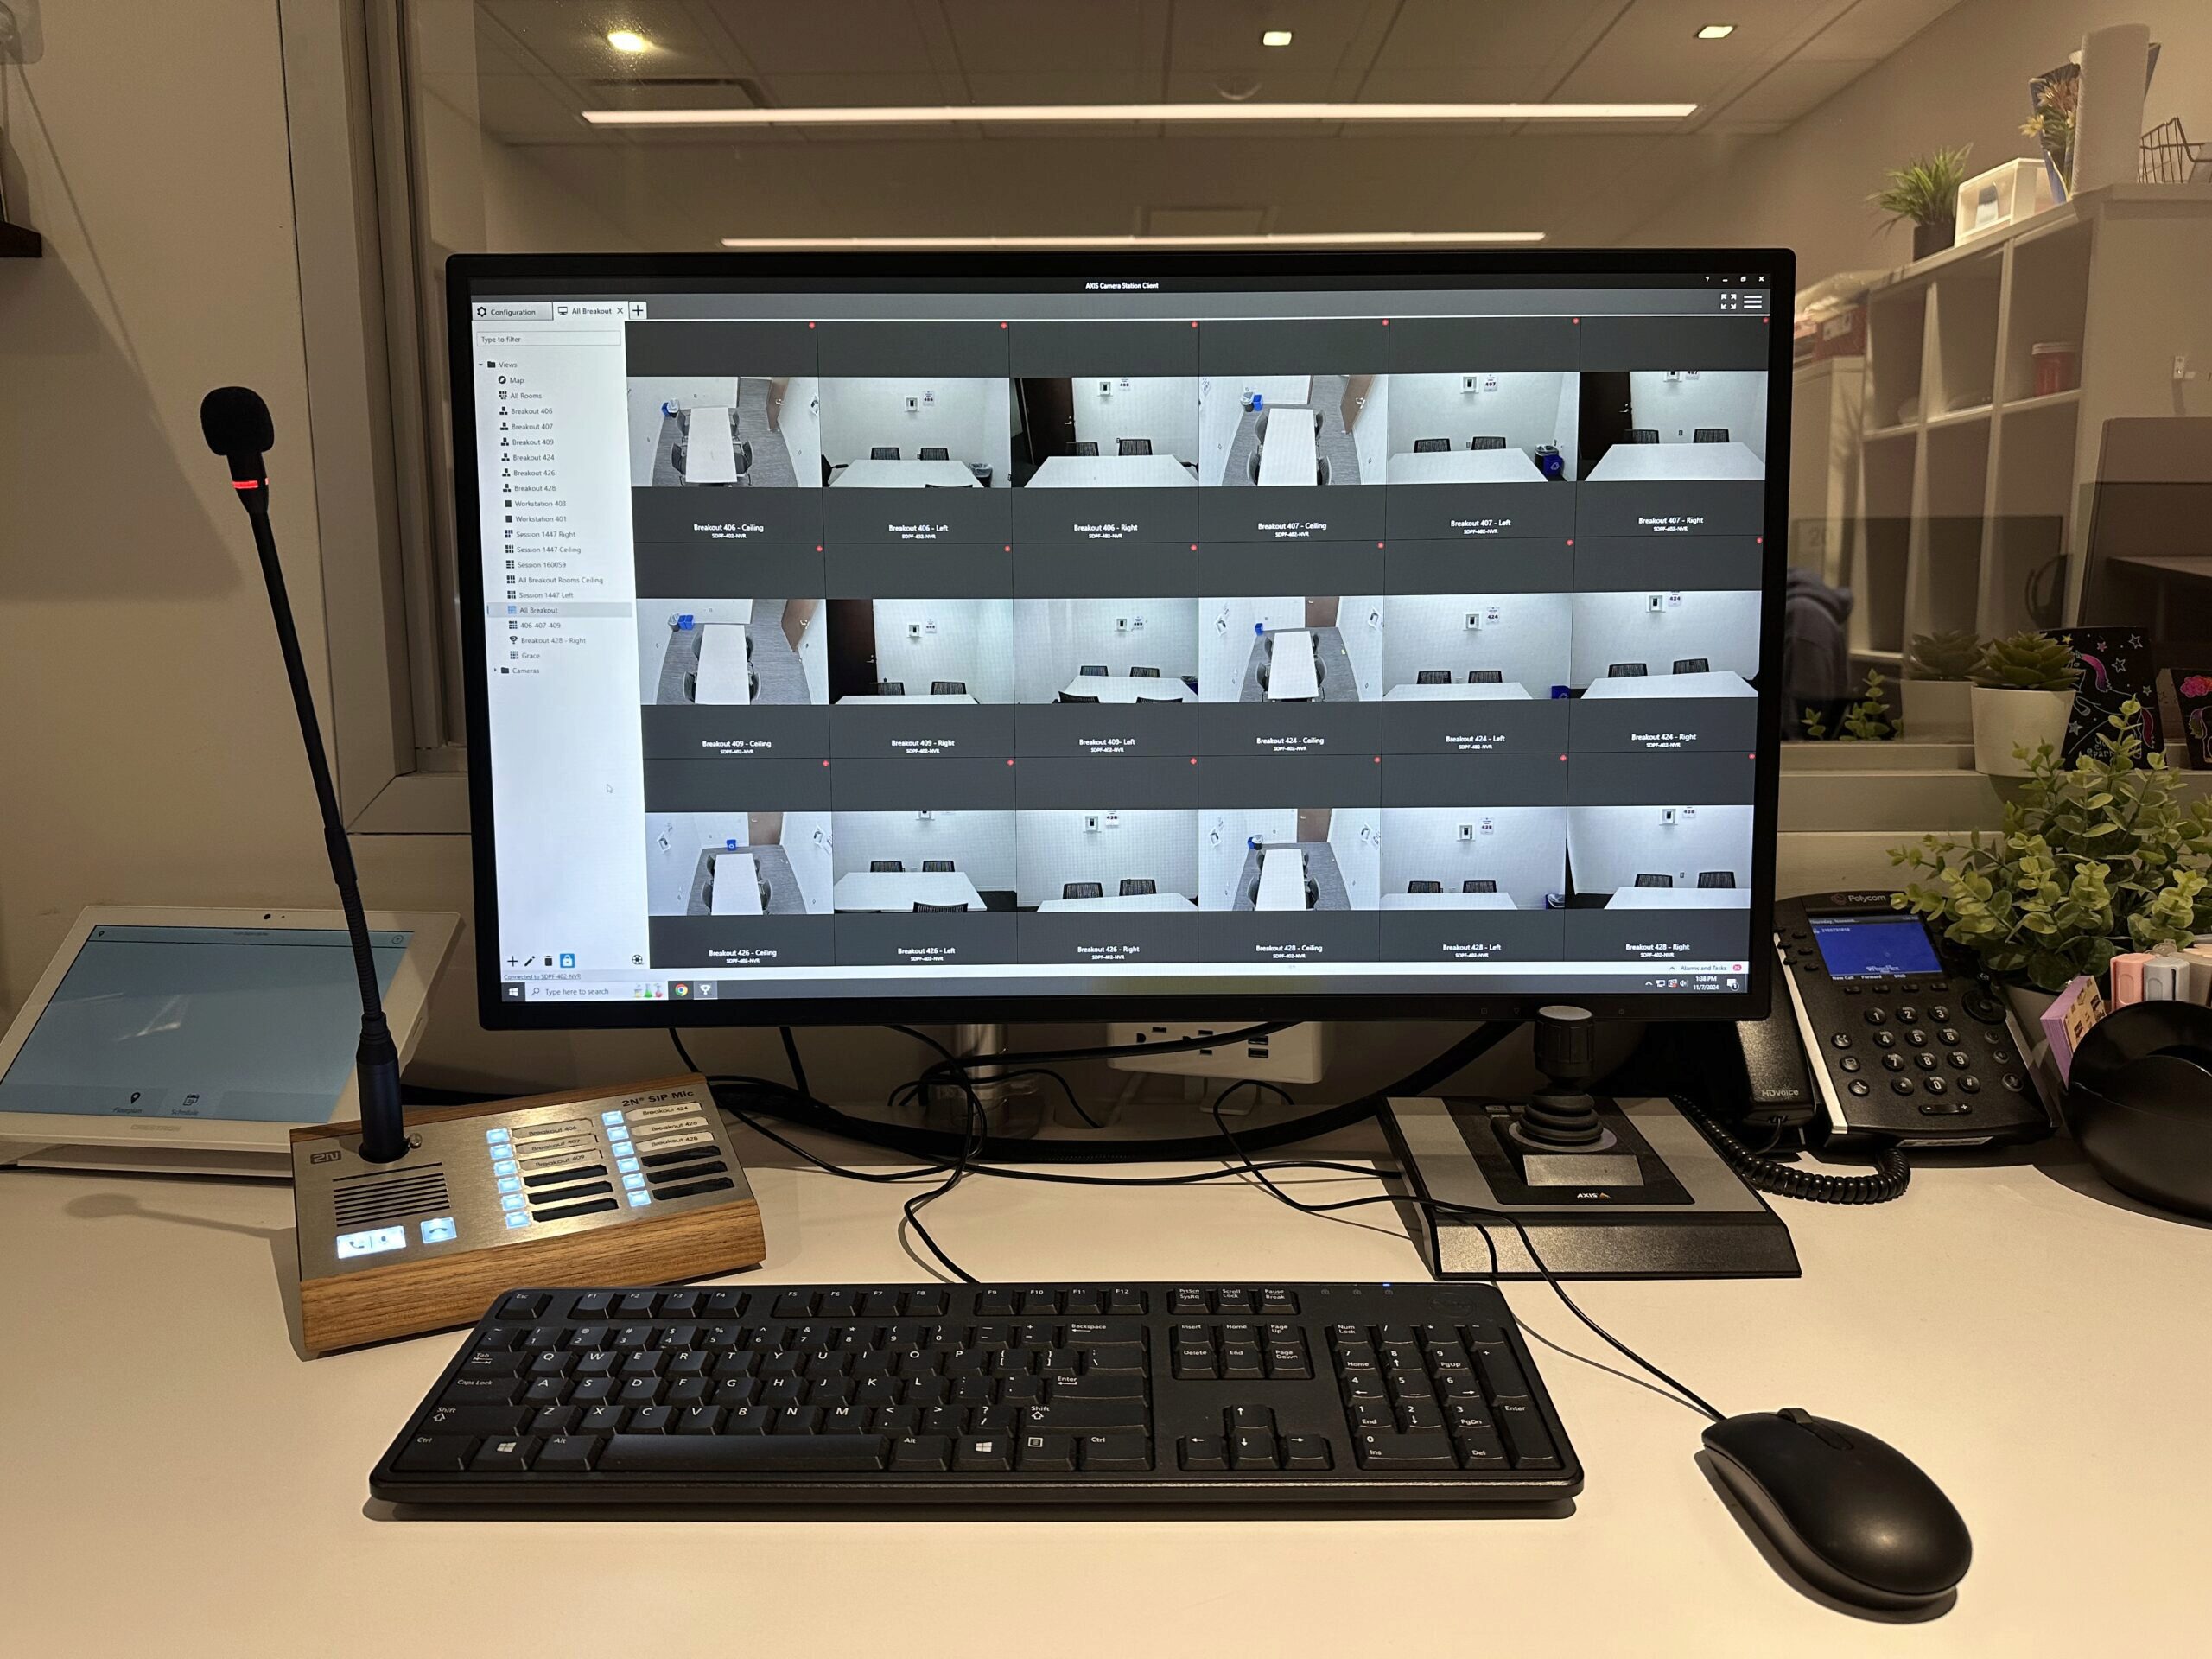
(1562,1115)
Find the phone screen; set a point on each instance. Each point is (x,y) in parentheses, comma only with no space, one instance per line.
(1874,947)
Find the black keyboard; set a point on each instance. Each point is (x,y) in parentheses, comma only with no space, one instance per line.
(995,1396)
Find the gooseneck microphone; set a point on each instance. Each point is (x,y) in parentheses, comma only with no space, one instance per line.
(236,423)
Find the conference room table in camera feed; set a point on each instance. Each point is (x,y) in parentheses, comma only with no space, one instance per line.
(1121,901)
(709,448)
(1293,676)
(724,675)
(737,884)
(1644,463)
(1111,473)
(1125,687)
(1282,879)
(1448,901)
(1465,466)
(1289,452)
(1713,683)
(1461,691)
(1680,899)
(896,890)
(906,475)
(917,697)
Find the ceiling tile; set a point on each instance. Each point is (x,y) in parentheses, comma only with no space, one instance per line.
(826,36)
(1875,29)
(1791,89)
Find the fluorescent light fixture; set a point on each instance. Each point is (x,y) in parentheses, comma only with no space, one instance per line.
(1275,240)
(1716,31)
(628,39)
(1275,37)
(932,115)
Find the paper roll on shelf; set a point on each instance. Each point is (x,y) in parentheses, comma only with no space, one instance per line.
(2108,123)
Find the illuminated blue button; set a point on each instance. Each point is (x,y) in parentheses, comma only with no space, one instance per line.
(512,1201)
(350,1245)
(495,1134)
(504,1167)
(509,1182)
(640,1199)
(633,1182)
(610,1117)
(618,1132)
(517,1221)
(627,1165)
(439,1230)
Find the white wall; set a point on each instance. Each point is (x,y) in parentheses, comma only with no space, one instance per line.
(966,639)
(653,616)
(1610,846)
(1356,837)
(813,650)
(1225,639)
(1054,848)
(1525,408)
(981,844)
(1164,408)
(1527,638)
(1364,640)
(1371,432)
(1733,399)
(1223,837)
(1721,626)
(1221,408)
(1052,638)
(967,416)
(800,422)
(673,841)
(1522,848)
(807,844)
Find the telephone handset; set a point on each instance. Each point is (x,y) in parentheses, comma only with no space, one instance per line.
(1897,1042)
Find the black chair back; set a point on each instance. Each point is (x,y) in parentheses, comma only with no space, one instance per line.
(1135,446)
(1134,887)
(933,452)
(1716,878)
(1485,441)
(888,865)
(1082,447)
(1432,676)
(1083,890)
(1644,434)
(891,688)
(944,865)
(1424,887)
(1627,670)
(1478,884)
(1710,434)
(1144,673)
(1485,677)
(884,451)
(1431,446)
(1648,880)
(948,688)
(1692,666)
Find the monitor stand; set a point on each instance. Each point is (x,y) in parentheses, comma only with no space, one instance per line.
(1605,1188)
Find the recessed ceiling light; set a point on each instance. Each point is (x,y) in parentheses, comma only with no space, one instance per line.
(1033,114)
(1716,31)
(628,39)
(1275,37)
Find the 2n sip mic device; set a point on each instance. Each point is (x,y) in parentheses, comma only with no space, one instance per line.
(402,1232)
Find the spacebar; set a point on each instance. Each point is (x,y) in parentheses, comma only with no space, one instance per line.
(739,1454)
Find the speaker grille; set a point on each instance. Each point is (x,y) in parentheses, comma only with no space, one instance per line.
(385,1196)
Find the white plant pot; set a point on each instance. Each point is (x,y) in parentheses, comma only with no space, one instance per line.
(1938,711)
(2005,720)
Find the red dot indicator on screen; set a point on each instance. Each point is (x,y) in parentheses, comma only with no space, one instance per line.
(810,325)
(1009,760)
(1562,757)
(1194,547)
(1378,544)
(1002,325)
(825,763)
(1194,760)
(818,547)
(1576,320)
(1386,322)
(1761,540)
(1009,547)
(1194,322)
(1570,541)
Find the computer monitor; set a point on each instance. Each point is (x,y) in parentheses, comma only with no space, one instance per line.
(997,638)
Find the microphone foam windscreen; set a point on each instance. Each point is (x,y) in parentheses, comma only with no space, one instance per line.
(235,422)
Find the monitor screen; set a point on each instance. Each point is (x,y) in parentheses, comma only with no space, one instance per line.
(1876,947)
(1023,636)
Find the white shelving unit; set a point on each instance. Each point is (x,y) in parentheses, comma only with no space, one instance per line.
(1968,484)
(1824,427)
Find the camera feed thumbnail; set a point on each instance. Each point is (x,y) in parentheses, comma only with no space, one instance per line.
(1293,430)
(1107,432)
(1660,857)
(738,864)
(1481,428)
(1315,858)
(753,431)
(1106,650)
(956,651)
(1652,425)
(915,432)
(725,651)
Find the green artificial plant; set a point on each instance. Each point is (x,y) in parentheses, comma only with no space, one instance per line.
(1948,654)
(2027,662)
(1867,720)
(2094,858)
(1925,189)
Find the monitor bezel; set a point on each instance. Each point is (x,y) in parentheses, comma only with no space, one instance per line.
(470,276)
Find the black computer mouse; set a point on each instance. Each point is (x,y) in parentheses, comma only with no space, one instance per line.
(1852,1514)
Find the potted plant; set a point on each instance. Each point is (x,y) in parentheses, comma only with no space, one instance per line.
(2094,858)
(1938,690)
(2022,696)
(1926,191)
(1865,721)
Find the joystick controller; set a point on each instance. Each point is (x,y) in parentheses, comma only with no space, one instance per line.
(1562,1116)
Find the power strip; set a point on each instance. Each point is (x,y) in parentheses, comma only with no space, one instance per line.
(1297,1054)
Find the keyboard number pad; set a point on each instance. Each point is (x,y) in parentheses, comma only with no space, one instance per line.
(1437,1397)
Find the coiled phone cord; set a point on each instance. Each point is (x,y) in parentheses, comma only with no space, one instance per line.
(1888,1178)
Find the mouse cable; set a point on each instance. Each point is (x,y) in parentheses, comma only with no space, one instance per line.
(1482,1219)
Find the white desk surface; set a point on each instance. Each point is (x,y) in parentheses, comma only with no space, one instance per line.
(1282,879)
(709,454)
(1111,473)
(906,475)
(1715,683)
(1632,463)
(1679,897)
(230,1513)
(726,610)
(737,884)
(903,889)
(915,697)
(1448,901)
(1287,454)
(1465,466)
(723,676)
(1123,688)
(1118,901)
(1293,674)
(1458,691)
